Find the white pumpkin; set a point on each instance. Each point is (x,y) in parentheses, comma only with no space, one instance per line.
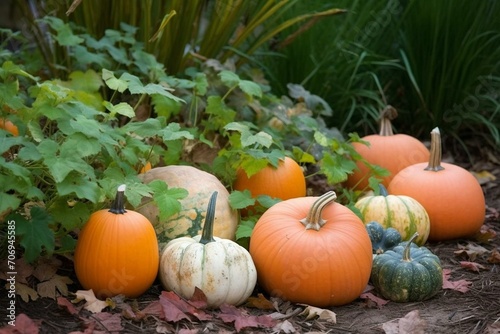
(221,268)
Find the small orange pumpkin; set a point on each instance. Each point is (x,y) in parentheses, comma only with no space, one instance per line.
(451,195)
(9,126)
(388,150)
(284,182)
(117,252)
(310,250)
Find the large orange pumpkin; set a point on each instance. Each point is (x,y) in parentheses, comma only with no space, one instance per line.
(451,195)
(117,252)
(388,150)
(310,250)
(284,182)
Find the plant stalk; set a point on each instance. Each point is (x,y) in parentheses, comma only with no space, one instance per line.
(314,220)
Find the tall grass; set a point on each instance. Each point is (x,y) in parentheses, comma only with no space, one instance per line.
(450,49)
(345,60)
(180,32)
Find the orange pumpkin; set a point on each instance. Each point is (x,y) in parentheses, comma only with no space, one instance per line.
(145,168)
(310,250)
(388,150)
(284,182)
(117,252)
(451,195)
(9,126)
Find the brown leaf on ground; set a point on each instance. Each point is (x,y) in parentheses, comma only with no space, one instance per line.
(46,268)
(23,324)
(494,328)
(92,304)
(460,285)
(494,256)
(23,270)
(230,313)
(486,234)
(312,312)
(26,292)
(110,323)
(50,287)
(69,306)
(260,302)
(176,308)
(411,323)
(373,301)
(470,251)
(472,266)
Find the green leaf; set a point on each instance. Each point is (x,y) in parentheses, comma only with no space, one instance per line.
(64,35)
(79,185)
(122,108)
(173,132)
(112,82)
(165,106)
(8,202)
(80,145)
(167,199)
(250,88)
(229,78)
(241,199)
(69,216)
(245,229)
(35,234)
(335,167)
(148,128)
(261,138)
(6,142)
(88,81)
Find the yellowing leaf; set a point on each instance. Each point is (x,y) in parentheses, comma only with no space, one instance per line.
(92,304)
(25,292)
(311,312)
(484,177)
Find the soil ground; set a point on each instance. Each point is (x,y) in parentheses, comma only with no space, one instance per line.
(475,311)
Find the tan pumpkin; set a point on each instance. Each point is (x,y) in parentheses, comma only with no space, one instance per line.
(403,213)
(189,221)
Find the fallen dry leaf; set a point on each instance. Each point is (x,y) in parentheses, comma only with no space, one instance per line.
(460,285)
(50,287)
(230,313)
(486,234)
(324,314)
(176,308)
(260,302)
(472,266)
(110,323)
(470,251)
(46,268)
(26,292)
(23,324)
(411,323)
(285,327)
(494,256)
(371,298)
(92,304)
(494,328)
(484,176)
(69,306)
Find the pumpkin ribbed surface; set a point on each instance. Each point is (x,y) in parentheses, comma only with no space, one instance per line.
(403,213)
(325,267)
(189,221)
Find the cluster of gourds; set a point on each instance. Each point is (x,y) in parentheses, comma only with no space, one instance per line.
(305,249)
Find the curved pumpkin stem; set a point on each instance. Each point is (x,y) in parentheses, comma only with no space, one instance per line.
(207,235)
(118,206)
(313,219)
(386,116)
(406,251)
(435,157)
(383,190)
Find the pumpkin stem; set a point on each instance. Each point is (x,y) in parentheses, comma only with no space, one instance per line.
(118,206)
(406,251)
(207,235)
(313,219)
(383,190)
(386,116)
(435,154)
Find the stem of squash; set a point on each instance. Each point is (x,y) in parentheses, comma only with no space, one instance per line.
(435,154)
(118,206)
(386,116)
(313,220)
(207,235)
(406,251)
